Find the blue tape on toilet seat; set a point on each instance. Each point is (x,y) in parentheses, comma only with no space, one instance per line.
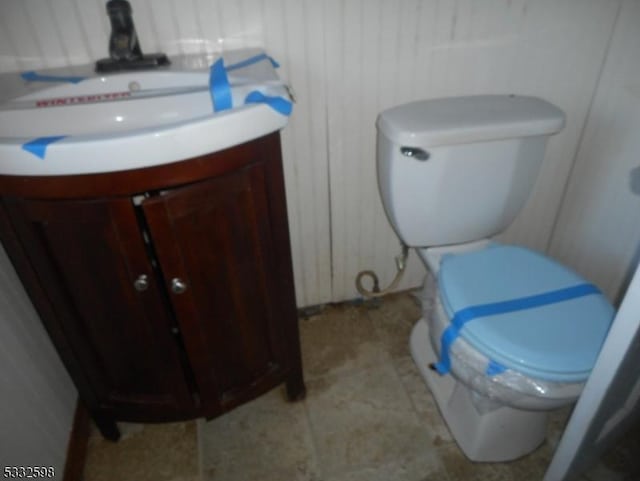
(32,76)
(494,368)
(463,316)
(38,147)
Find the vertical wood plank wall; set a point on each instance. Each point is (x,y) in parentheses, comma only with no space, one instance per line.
(386,53)
(347,60)
(598,229)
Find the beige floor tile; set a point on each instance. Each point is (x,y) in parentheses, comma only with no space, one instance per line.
(162,452)
(533,466)
(529,468)
(459,468)
(364,419)
(266,439)
(557,422)
(368,416)
(340,339)
(422,399)
(419,468)
(253,472)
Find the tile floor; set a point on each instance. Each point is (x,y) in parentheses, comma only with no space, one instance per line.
(367,416)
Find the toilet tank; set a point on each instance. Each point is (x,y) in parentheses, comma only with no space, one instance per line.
(460,169)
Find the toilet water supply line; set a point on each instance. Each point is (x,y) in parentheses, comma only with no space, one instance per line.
(401,264)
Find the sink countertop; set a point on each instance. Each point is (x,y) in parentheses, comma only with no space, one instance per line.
(83,122)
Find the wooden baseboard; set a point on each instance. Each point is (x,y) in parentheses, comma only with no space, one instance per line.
(77,447)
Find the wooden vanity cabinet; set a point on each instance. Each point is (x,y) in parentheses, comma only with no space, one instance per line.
(167,291)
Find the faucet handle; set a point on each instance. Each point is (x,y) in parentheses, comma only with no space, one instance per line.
(123,43)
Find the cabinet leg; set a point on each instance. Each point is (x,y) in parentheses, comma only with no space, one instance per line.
(296,390)
(107,427)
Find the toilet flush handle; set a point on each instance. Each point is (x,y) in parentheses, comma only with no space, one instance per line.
(415,153)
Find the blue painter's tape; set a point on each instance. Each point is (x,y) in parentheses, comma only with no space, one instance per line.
(279,104)
(38,147)
(494,368)
(32,76)
(219,87)
(449,335)
(461,317)
(251,61)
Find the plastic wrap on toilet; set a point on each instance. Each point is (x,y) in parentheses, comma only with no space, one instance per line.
(489,392)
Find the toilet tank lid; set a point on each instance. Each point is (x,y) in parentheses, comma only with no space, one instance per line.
(461,120)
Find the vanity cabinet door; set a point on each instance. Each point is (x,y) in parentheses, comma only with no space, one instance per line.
(108,322)
(215,244)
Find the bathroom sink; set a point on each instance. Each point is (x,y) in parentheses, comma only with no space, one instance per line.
(74,121)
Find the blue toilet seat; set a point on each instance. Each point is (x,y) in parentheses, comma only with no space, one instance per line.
(555,342)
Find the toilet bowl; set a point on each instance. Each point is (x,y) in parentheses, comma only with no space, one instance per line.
(501,416)
(511,334)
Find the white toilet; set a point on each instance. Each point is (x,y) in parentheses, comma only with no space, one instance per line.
(513,334)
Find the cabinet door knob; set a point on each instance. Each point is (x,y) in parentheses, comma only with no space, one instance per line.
(178,286)
(141,283)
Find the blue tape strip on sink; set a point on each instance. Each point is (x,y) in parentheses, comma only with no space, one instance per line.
(279,104)
(38,147)
(32,76)
(221,89)
(461,317)
(251,61)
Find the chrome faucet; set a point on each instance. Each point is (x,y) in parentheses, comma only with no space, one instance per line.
(124,48)
(123,44)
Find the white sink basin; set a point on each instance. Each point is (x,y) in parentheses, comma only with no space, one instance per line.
(81,122)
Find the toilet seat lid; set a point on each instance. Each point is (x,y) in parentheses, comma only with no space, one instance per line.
(556,342)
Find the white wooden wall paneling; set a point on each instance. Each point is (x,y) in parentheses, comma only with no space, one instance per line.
(598,229)
(419,49)
(38,398)
(349,59)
